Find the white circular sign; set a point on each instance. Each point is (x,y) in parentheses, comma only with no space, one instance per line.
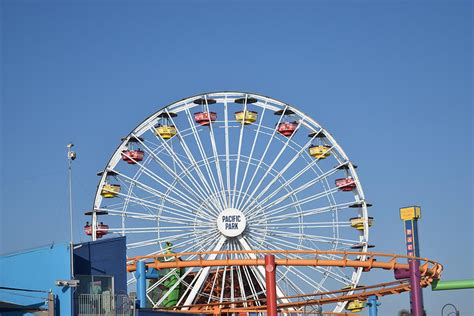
(231,222)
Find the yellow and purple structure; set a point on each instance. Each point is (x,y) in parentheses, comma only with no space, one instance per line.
(409,216)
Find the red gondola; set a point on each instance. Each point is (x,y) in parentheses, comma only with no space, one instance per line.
(132,156)
(205,118)
(101,230)
(287,128)
(88,229)
(346,184)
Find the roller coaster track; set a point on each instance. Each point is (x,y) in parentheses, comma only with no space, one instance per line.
(429,270)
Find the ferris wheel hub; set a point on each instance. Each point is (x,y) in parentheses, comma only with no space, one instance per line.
(231,222)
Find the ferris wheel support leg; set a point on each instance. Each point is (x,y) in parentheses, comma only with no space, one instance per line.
(261,269)
(270,282)
(203,275)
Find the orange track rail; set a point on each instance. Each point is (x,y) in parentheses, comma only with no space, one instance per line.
(430,270)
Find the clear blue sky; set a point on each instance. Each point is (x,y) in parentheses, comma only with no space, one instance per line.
(391,80)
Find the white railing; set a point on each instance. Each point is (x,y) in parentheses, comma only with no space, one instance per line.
(103,304)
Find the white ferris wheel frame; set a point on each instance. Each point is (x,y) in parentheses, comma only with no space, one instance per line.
(238,199)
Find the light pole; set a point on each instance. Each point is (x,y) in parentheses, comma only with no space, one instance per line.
(71,155)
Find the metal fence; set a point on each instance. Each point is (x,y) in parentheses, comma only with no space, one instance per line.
(103,304)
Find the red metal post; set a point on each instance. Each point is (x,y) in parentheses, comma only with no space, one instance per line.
(270,281)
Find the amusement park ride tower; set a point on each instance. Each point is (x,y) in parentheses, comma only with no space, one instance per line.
(410,216)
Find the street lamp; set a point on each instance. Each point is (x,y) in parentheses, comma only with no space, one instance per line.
(71,155)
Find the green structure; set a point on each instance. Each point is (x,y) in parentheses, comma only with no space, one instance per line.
(452,285)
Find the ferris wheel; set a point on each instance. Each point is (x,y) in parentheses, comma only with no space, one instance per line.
(232,171)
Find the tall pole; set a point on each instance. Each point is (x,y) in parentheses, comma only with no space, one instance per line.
(410,216)
(270,282)
(71,155)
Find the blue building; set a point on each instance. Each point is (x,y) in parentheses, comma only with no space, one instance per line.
(30,281)
(37,271)
(27,278)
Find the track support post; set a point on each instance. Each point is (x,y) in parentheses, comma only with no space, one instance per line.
(140,275)
(373,304)
(270,282)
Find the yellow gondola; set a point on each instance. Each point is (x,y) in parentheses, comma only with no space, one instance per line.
(320,151)
(246,117)
(358,222)
(165,131)
(110,190)
(355,306)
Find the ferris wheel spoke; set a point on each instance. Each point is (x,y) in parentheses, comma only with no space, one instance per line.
(203,239)
(198,170)
(295,288)
(231,270)
(244,244)
(253,291)
(170,290)
(284,244)
(308,184)
(159,194)
(251,270)
(214,280)
(305,236)
(200,146)
(292,192)
(126,201)
(197,191)
(207,242)
(240,206)
(311,225)
(341,278)
(189,287)
(149,217)
(317,286)
(176,159)
(270,168)
(147,203)
(187,208)
(173,229)
(216,156)
(292,215)
(240,278)
(237,165)
(204,273)
(155,241)
(178,238)
(152,175)
(251,154)
(287,166)
(300,202)
(227,155)
(128,214)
